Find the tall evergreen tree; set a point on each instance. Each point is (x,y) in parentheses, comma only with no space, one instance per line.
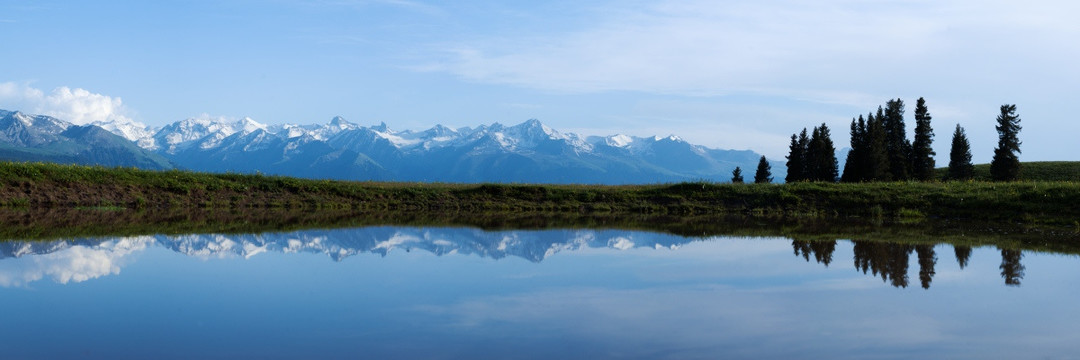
(877,157)
(960,166)
(794,161)
(763,175)
(1006,164)
(811,163)
(922,152)
(821,164)
(796,164)
(736,176)
(896,143)
(853,166)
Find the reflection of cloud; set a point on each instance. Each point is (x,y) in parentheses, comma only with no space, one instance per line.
(74,264)
(725,318)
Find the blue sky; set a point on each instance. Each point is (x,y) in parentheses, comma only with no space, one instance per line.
(725,74)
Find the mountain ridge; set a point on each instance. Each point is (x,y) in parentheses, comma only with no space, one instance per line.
(529,152)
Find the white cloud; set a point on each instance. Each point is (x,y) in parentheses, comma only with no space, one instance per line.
(79,106)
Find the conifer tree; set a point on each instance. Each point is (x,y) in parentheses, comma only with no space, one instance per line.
(810,159)
(853,166)
(896,143)
(922,152)
(960,166)
(877,159)
(763,175)
(796,164)
(1006,164)
(736,176)
(794,160)
(821,162)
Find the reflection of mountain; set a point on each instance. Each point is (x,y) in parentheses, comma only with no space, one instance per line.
(339,244)
(82,259)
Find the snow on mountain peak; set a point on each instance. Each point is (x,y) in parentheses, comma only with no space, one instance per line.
(248,125)
(618,140)
(668,138)
(142,135)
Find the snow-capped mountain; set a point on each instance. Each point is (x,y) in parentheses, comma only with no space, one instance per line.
(530,152)
(26,137)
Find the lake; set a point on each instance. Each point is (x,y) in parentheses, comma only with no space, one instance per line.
(466,293)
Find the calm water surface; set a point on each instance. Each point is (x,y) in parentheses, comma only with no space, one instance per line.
(461,293)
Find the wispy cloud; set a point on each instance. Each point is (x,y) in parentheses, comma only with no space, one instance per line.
(819,51)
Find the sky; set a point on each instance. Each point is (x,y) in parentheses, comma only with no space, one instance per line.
(724,74)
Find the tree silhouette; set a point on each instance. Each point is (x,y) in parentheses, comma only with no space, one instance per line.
(855,165)
(922,152)
(927,260)
(889,260)
(820,158)
(763,175)
(876,164)
(1011,269)
(822,251)
(796,164)
(963,254)
(1006,164)
(736,176)
(896,143)
(960,166)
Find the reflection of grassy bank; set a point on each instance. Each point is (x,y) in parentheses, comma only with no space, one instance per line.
(27,224)
(49,186)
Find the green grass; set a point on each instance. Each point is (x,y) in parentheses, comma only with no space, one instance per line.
(52,186)
(1031,171)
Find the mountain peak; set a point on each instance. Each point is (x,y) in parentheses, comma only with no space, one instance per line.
(248,125)
(619,140)
(339,122)
(382,127)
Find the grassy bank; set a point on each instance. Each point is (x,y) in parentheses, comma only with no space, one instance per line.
(51,186)
(1031,171)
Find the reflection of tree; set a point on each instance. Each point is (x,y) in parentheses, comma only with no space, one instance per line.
(963,253)
(821,250)
(1011,269)
(927,260)
(890,260)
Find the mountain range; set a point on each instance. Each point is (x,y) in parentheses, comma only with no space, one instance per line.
(530,152)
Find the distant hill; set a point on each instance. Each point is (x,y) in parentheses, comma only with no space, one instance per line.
(1032,171)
